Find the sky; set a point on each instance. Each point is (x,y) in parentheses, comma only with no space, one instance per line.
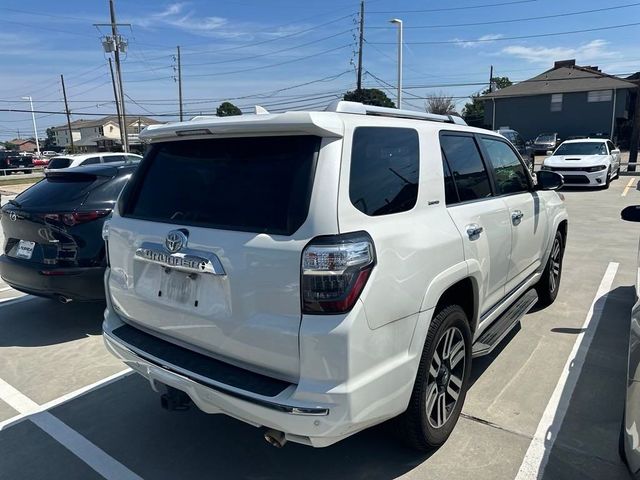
(288,54)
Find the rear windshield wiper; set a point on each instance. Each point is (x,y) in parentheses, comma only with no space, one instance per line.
(14,203)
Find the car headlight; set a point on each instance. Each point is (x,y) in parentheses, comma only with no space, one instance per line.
(597,168)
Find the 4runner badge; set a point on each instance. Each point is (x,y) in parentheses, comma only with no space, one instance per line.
(176,240)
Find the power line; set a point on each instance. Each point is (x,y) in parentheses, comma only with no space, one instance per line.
(514,20)
(449,9)
(269,53)
(254,44)
(317,54)
(501,39)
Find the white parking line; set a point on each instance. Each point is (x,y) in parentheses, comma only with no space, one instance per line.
(5,289)
(16,299)
(629,185)
(85,450)
(63,399)
(537,456)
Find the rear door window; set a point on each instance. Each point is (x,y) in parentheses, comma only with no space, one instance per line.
(113,158)
(385,166)
(510,174)
(91,161)
(468,170)
(59,162)
(256,184)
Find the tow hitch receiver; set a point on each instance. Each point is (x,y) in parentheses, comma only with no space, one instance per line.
(175,400)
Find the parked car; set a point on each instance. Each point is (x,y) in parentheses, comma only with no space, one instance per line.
(53,244)
(49,153)
(41,161)
(73,161)
(13,162)
(545,142)
(585,162)
(525,151)
(316,273)
(630,430)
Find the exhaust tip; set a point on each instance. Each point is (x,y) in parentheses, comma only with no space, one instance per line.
(275,438)
(63,299)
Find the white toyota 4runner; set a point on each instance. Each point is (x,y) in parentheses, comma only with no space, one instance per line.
(317,273)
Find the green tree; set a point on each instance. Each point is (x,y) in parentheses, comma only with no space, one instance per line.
(10,146)
(227,109)
(369,96)
(473,112)
(441,104)
(50,141)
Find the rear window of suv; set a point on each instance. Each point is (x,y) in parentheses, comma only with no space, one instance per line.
(255,184)
(57,189)
(59,162)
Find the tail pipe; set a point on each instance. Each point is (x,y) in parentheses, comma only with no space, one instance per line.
(275,438)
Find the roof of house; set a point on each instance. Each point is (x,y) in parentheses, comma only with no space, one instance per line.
(564,77)
(21,141)
(131,120)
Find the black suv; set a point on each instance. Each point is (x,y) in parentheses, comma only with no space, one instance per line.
(53,232)
(11,161)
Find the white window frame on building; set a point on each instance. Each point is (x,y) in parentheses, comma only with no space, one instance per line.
(556,102)
(599,96)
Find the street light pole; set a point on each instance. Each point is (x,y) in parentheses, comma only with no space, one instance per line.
(399,23)
(33,118)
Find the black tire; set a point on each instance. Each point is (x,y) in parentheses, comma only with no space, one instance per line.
(547,287)
(607,182)
(617,175)
(26,171)
(416,425)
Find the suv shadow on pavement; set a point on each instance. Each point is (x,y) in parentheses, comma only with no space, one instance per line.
(36,322)
(125,420)
(586,441)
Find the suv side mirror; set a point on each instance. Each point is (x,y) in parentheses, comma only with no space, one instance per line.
(631,213)
(548,180)
(549,153)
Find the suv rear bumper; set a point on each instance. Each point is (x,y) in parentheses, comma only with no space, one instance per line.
(83,283)
(314,413)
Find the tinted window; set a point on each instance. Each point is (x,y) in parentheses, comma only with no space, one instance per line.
(384,170)
(109,191)
(133,158)
(258,184)
(581,148)
(91,161)
(450,193)
(114,158)
(611,146)
(59,162)
(56,190)
(469,173)
(510,173)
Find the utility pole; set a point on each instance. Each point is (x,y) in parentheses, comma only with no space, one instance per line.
(115,95)
(491,79)
(635,132)
(115,44)
(66,107)
(179,83)
(360,42)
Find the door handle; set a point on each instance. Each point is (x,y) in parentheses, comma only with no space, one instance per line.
(516,217)
(474,230)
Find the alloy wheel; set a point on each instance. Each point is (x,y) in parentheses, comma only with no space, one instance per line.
(446,373)
(554,271)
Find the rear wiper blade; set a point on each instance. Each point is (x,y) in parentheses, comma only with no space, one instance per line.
(15,203)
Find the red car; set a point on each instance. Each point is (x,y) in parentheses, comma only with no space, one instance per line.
(40,162)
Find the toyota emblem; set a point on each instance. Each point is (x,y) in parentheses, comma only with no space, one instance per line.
(175,241)
(13,216)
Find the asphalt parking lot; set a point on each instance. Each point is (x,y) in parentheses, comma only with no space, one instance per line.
(547,404)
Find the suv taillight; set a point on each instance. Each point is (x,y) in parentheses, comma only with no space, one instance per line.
(75,218)
(335,269)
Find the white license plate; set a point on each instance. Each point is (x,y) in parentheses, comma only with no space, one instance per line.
(178,287)
(25,249)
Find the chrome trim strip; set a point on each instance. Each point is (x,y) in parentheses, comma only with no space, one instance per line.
(187,260)
(281,407)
